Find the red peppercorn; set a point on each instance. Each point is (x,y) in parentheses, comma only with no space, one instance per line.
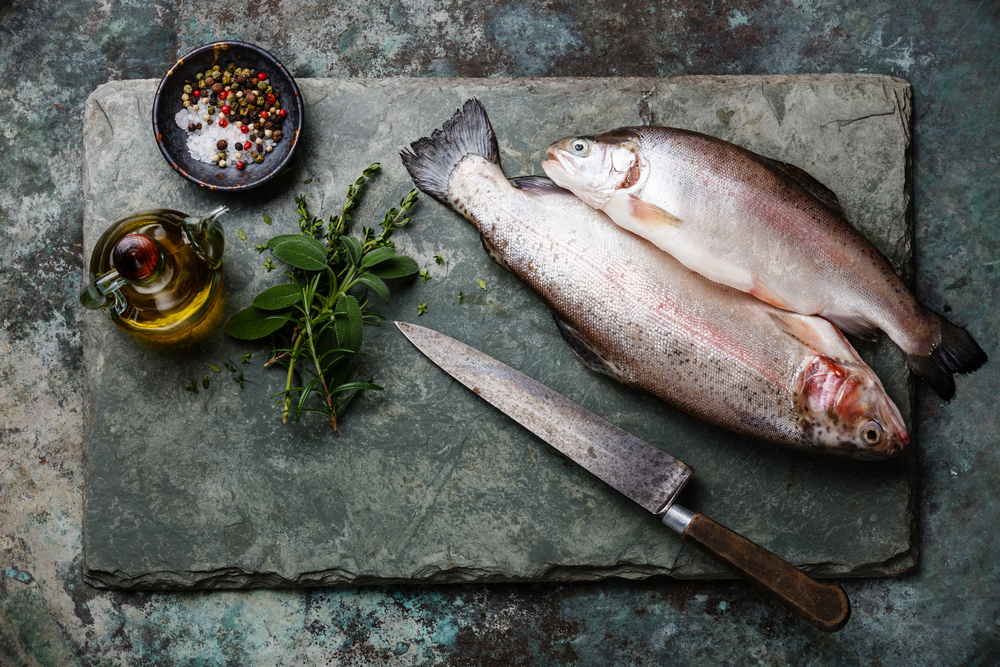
(240,165)
(223,122)
(270,98)
(244,129)
(196,94)
(263,114)
(225,108)
(261,76)
(282,113)
(247,146)
(223,95)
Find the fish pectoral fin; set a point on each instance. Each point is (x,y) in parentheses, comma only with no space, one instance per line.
(767,295)
(649,215)
(587,352)
(817,334)
(854,325)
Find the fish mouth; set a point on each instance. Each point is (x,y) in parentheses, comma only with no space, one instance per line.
(557,159)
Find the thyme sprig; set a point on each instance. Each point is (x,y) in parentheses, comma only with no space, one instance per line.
(317,319)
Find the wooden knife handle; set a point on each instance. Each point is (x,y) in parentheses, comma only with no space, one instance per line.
(823,606)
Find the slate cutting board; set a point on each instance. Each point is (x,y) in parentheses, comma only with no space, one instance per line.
(424,482)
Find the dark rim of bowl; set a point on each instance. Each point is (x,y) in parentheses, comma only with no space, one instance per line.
(221,46)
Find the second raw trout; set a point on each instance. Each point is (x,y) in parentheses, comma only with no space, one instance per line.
(760,226)
(633,312)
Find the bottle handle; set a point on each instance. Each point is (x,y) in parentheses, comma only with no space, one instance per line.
(104,292)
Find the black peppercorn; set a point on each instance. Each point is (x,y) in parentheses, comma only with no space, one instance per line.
(221,144)
(191,127)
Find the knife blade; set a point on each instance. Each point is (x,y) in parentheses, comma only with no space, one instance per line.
(645,474)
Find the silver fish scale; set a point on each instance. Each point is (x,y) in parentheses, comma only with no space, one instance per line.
(708,350)
(646,475)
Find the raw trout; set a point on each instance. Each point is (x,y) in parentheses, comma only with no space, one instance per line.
(763,227)
(631,311)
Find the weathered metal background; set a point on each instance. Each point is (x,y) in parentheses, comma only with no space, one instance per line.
(53,54)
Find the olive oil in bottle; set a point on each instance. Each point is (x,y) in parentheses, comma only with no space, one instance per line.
(157,274)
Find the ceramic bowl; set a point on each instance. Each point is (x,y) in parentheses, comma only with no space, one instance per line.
(172,139)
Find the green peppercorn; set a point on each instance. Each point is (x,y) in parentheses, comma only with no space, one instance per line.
(270,90)
(188,89)
(226,80)
(211,110)
(243,111)
(259,102)
(222,156)
(259,159)
(199,76)
(261,85)
(216,68)
(231,67)
(201,84)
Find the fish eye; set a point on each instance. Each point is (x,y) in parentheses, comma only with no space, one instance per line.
(871,433)
(579,146)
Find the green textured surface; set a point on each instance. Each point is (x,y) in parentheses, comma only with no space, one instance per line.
(425,482)
(53,55)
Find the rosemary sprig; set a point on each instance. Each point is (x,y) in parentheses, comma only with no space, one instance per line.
(316,319)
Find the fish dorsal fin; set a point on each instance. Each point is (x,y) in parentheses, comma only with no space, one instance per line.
(649,215)
(538,185)
(817,334)
(807,182)
(492,251)
(587,352)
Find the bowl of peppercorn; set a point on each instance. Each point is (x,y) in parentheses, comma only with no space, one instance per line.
(228,116)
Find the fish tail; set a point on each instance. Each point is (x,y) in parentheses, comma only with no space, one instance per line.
(956,353)
(431,160)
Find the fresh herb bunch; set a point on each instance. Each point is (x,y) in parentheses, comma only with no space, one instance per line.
(317,318)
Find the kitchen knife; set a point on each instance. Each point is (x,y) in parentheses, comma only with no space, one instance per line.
(645,474)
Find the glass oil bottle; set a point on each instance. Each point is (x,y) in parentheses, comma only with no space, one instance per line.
(157,274)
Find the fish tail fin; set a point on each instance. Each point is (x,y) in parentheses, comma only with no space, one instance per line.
(431,160)
(957,352)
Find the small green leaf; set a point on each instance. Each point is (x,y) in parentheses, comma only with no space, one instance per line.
(377,256)
(252,323)
(239,379)
(482,284)
(356,386)
(204,382)
(230,367)
(421,309)
(376,284)
(246,358)
(397,266)
(260,248)
(424,275)
(349,323)
(193,387)
(303,252)
(307,182)
(269,265)
(278,297)
(267,219)
(214,368)
(460,297)
(438,259)
(242,234)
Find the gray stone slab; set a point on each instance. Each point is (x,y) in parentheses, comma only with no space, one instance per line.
(424,482)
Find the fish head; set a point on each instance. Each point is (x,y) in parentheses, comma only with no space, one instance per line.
(594,168)
(846,406)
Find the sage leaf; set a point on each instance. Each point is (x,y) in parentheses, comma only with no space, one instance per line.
(377,256)
(396,266)
(252,323)
(278,297)
(376,284)
(353,247)
(281,238)
(302,252)
(348,323)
